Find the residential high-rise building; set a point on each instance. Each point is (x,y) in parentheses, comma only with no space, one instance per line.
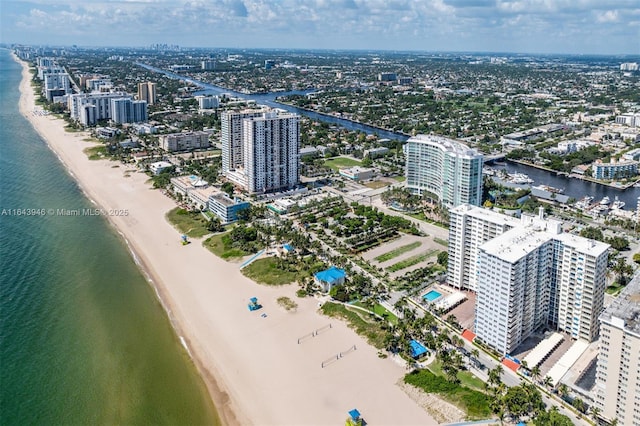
(469,228)
(208,65)
(617,389)
(271,145)
(535,275)
(261,149)
(147,92)
(445,169)
(231,137)
(208,102)
(139,111)
(102,101)
(184,141)
(88,115)
(124,110)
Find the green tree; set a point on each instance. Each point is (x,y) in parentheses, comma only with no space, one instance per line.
(228,188)
(443,258)
(516,401)
(592,233)
(215,225)
(552,418)
(618,243)
(535,373)
(578,404)
(595,413)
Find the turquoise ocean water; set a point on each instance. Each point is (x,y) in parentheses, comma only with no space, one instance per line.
(83,339)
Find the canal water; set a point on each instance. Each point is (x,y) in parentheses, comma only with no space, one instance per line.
(576,188)
(572,187)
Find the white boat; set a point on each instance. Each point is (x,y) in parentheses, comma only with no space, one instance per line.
(617,204)
(519,178)
(605,201)
(551,189)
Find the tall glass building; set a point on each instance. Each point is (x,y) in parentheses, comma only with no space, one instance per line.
(445,169)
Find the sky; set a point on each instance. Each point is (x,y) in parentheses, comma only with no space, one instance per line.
(521,26)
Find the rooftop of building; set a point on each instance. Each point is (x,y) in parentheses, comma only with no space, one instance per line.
(356,169)
(486,214)
(190,180)
(625,308)
(515,244)
(534,231)
(197,132)
(585,245)
(447,144)
(203,192)
(225,200)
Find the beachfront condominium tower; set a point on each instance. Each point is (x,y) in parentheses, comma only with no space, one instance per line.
(271,145)
(231,138)
(469,228)
(444,169)
(617,389)
(124,110)
(535,275)
(261,149)
(147,92)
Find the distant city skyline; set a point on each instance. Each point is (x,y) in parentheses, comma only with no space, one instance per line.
(519,26)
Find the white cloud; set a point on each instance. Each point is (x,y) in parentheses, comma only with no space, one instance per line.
(403,24)
(608,16)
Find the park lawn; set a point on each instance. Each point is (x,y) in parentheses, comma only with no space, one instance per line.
(265,271)
(338,163)
(190,223)
(364,326)
(376,184)
(413,260)
(473,402)
(97,152)
(441,241)
(399,178)
(221,248)
(385,313)
(466,378)
(379,310)
(398,251)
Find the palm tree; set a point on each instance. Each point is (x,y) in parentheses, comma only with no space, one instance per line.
(476,355)
(495,375)
(578,404)
(535,372)
(563,390)
(548,381)
(595,412)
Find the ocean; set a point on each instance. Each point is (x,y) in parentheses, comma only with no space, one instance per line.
(83,338)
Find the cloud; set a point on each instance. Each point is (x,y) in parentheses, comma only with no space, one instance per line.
(389,24)
(608,16)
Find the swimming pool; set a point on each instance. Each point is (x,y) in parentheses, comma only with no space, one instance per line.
(431,296)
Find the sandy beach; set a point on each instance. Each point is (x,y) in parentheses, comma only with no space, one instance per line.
(254,367)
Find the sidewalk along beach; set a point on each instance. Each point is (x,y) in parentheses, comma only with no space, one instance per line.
(254,367)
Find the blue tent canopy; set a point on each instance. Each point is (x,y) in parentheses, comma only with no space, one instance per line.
(355,414)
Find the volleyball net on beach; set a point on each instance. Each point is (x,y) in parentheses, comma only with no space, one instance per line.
(314,333)
(337,357)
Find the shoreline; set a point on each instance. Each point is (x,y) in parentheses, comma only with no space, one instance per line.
(252,366)
(224,412)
